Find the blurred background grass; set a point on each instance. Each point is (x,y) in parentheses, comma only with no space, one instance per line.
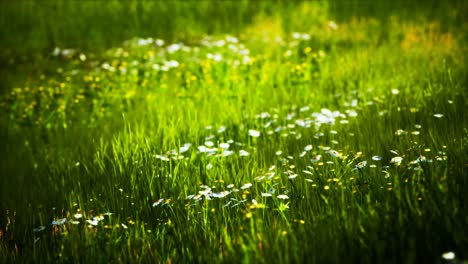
(38,26)
(30,30)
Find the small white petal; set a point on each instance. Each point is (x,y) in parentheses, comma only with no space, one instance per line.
(254,133)
(448,255)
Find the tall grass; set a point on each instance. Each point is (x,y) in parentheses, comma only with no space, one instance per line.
(96,167)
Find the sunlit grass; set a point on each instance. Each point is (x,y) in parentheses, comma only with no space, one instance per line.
(295,140)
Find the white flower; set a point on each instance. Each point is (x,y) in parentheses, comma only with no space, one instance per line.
(78,216)
(159,42)
(448,255)
(92,222)
(266,194)
(174,47)
(227,152)
(243,153)
(172,64)
(316,158)
(246,186)
(308,147)
(59,221)
(334,153)
(254,133)
(376,157)
(351,113)
(396,160)
(221,194)
(217,57)
(158,202)
(185,147)
(361,164)
(282,196)
(400,132)
(438,115)
(224,145)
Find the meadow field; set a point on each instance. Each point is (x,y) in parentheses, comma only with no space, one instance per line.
(233,131)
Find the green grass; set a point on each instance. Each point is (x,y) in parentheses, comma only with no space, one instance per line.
(95,165)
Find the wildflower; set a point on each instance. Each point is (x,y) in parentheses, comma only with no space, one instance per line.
(308,148)
(438,115)
(400,132)
(246,186)
(282,197)
(207,193)
(254,133)
(361,164)
(334,153)
(174,47)
(243,153)
(221,194)
(316,158)
(217,57)
(78,216)
(304,109)
(376,158)
(397,160)
(185,148)
(266,194)
(227,152)
(272,190)
(159,42)
(172,64)
(59,221)
(224,145)
(93,222)
(448,255)
(202,149)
